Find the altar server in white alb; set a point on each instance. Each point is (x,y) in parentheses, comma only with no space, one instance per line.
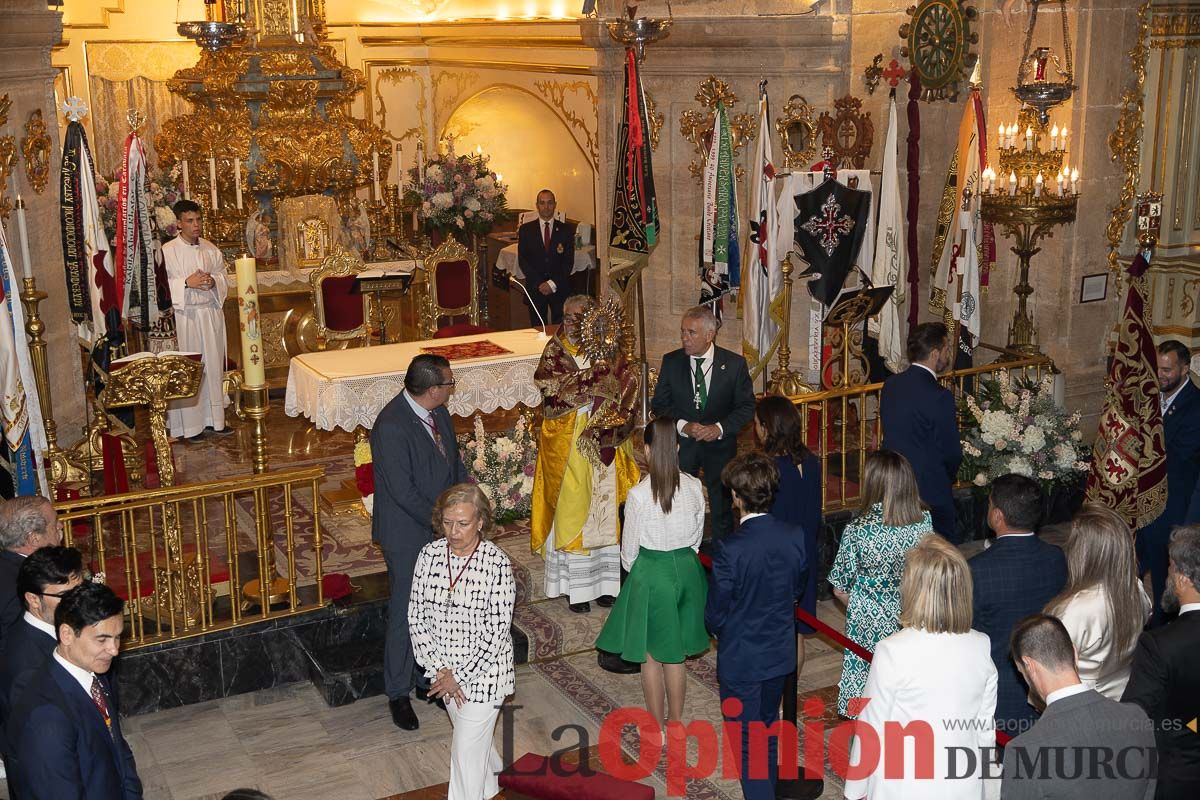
(196,274)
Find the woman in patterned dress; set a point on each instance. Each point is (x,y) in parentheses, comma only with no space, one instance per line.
(870,562)
(460,619)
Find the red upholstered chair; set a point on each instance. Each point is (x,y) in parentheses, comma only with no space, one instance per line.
(340,313)
(453,290)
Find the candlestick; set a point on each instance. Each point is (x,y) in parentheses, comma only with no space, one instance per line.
(400,165)
(1037,185)
(187,188)
(24,232)
(1074,181)
(1012,135)
(212,182)
(1054,138)
(420,162)
(1000,136)
(375,175)
(1060,183)
(237,182)
(1062,139)
(1012,184)
(1029,138)
(253,365)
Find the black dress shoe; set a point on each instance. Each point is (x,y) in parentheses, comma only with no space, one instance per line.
(799,789)
(605,601)
(403,716)
(580,608)
(611,662)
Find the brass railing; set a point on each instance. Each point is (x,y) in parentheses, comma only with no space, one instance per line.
(841,426)
(176,556)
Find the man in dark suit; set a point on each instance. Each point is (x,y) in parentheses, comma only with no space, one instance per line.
(64,733)
(1165,676)
(1012,579)
(1179,400)
(416,459)
(920,422)
(758,574)
(1084,746)
(546,253)
(26,523)
(707,390)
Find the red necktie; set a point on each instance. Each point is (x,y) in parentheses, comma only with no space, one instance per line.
(101,703)
(546,236)
(437,436)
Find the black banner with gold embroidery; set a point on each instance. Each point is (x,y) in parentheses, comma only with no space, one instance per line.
(635,223)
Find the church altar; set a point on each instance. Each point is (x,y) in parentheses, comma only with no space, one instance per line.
(348,388)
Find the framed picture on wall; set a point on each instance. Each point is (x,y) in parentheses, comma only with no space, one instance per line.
(1093,288)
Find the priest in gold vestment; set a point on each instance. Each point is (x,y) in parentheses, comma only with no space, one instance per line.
(585,465)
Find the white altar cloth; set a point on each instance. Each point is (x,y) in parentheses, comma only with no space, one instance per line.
(506,259)
(348,388)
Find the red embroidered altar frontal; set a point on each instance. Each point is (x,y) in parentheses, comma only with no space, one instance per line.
(467,350)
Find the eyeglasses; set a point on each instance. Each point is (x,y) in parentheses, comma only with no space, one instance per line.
(448,383)
(59,595)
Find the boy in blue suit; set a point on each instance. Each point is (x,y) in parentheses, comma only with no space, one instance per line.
(758,574)
(64,733)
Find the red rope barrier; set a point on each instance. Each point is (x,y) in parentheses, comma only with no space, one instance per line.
(842,640)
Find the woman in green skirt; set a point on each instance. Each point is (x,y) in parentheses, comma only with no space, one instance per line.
(658,619)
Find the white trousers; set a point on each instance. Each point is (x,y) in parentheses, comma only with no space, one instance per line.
(474,762)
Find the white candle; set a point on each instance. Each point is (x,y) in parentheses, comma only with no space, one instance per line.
(1054,138)
(375,175)
(1012,183)
(1060,183)
(237,182)
(1000,137)
(399,165)
(212,182)
(1012,135)
(187,189)
(1029,138)
(24,232)
(1038,184)
(1074,181)
(1062,140)
(253,365)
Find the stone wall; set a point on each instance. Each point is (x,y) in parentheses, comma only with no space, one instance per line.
(27,32)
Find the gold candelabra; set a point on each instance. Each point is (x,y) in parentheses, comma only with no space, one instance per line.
(784,380)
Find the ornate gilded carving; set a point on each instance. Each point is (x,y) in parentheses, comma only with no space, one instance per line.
(1174,27)
(397,75)
(445,100)
(655,118)
(696,126)
(848,132)
(36,149)
(8,152)
(1125,141)
(338,263)
(797,133)
(555,92)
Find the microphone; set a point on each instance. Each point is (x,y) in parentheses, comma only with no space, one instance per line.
(543,336)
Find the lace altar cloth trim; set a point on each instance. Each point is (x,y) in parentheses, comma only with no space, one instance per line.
(347,400)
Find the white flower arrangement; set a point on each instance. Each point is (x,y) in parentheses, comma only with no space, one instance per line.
(503,465)
(1015,427)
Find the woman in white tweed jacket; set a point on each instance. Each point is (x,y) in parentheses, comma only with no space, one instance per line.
(460,619)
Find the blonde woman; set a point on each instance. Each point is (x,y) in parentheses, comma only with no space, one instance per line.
(460,619)
(866,573)
(1103,606)
(935,673)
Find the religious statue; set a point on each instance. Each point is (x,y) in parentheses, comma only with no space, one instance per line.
(258,236)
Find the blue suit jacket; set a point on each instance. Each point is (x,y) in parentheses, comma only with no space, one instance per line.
(920,423)
(10,605)
(60,747)
(26,649)
(758,574)
(1181,434)
(410,473)
(1013,578)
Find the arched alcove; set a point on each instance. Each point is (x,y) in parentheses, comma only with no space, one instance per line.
(530,146)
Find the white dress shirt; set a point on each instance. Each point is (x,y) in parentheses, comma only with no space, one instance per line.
(1065,692)
(706,367)
(1186,607)
(1168,399)
(542,223)
(647,526)
(423,414)
(44,627)
(82,676)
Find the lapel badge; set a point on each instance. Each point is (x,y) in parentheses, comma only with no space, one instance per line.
(560,248)
(722,368)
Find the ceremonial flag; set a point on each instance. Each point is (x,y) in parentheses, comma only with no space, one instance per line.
(1129,463)
(962,243)
(635,223)
(86,255)
(141,281)
(21,414)
(763,298)
(891,259)
(720,259)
